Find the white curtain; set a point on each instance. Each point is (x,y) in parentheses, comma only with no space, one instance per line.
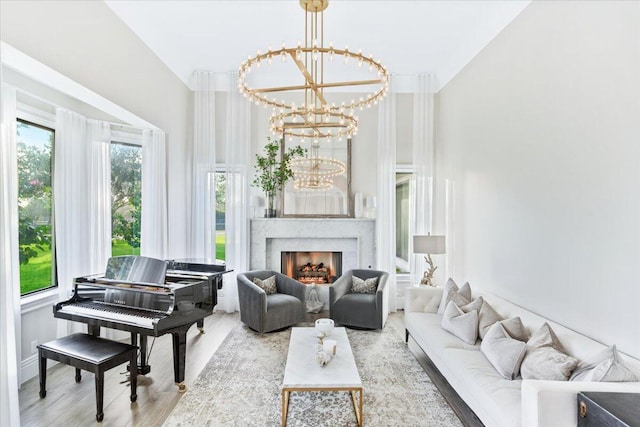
(99,134)
(9,263)
(422,167)
(154,228)
(237,203)
(203,199)
(386,196)
(72,206)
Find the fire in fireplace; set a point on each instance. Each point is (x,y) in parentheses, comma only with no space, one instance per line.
(312,267)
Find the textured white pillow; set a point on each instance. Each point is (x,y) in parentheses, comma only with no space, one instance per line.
(604,366)
(546,358)
(451,290)
(268,284)
(462,325)
(487,317)
(503,351)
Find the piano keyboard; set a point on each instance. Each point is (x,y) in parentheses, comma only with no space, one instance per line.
(131,316)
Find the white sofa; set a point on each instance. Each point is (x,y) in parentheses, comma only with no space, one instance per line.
(495,400)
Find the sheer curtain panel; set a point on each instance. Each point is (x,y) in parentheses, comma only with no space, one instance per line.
(203,198)
(72,206)
(386,211)
(99,134)
(153,218)
(238,145)
(9,262)
(422,166)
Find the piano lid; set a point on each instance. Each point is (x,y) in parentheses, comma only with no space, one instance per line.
(134,268)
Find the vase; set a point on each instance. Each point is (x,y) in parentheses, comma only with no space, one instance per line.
(270,211)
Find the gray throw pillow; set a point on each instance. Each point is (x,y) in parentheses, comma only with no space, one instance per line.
(361,286)
(487,317)
(604,366)
(268,284)
(546,358)
(462,325)
(515,328)
(449,286)
(503,351)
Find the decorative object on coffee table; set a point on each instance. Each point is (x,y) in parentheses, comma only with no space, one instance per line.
(429,245)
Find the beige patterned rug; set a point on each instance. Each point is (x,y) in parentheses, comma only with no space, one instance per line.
(240,386)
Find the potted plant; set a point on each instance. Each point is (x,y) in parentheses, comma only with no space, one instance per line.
(273,173)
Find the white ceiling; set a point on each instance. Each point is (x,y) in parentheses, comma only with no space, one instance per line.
(410,37)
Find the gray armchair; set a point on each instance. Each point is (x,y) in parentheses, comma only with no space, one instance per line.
(266,313)
(364,311)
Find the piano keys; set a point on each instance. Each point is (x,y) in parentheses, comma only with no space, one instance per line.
(140,295)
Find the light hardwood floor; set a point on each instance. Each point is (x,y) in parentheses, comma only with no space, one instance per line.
(69,404)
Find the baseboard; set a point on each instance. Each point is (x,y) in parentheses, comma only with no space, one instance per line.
(462,410)
(30,369)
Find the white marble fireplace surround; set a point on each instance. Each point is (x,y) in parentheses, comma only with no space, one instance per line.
(355,238)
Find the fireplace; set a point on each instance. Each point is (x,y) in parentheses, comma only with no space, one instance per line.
(312,267)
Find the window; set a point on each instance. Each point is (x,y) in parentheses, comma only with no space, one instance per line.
(126,198)
(221,196)
(35,204)
(403,218)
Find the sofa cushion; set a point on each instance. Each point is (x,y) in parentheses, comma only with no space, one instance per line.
(503,351)
(268,285)
(426,329)
(604,366)
(450,288)
(487,316)
(546,358)
(461,324)
(364,286)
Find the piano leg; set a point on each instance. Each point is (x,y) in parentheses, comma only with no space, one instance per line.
(200,325)
(179,357)
(143,368)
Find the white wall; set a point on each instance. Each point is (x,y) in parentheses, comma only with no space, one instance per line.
(540,137)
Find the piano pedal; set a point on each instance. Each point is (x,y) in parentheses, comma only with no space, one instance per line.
(181,387)
(202,331)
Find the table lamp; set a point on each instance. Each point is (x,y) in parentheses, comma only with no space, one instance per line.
(428,245)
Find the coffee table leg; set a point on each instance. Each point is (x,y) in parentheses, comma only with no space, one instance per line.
(358,405)
(285,406)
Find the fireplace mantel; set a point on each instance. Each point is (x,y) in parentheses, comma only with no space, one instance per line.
(354,237)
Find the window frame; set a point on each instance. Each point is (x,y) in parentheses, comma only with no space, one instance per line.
(33,116)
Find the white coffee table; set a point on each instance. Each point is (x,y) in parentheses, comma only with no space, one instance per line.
(303,373)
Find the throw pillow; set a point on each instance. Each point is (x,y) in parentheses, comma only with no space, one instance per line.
(268,284)
(546,358)
(487,317)
(462,325)
(473,305)
(503,351)
(604,366)
(448,287)
(361,286)
(461,296)
(515,328)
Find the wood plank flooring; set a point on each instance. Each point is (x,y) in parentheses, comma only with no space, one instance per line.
(69,404)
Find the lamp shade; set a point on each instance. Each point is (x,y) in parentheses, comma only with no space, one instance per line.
(429,244)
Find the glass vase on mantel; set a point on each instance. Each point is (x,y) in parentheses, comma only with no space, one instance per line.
(270,210)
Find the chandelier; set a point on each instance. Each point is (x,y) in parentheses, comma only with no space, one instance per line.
(315,172)
(313,106)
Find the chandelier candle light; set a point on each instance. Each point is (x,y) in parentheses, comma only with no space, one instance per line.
(428,245)
(314,106)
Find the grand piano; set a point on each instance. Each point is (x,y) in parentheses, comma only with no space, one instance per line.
(147,297)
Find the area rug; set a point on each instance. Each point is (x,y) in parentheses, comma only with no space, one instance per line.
(240,386)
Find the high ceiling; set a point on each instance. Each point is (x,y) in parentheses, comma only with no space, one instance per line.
(438,37)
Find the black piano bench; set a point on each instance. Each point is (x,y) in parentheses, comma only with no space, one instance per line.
(94,354)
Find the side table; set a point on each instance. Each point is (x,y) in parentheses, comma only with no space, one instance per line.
(608,409)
